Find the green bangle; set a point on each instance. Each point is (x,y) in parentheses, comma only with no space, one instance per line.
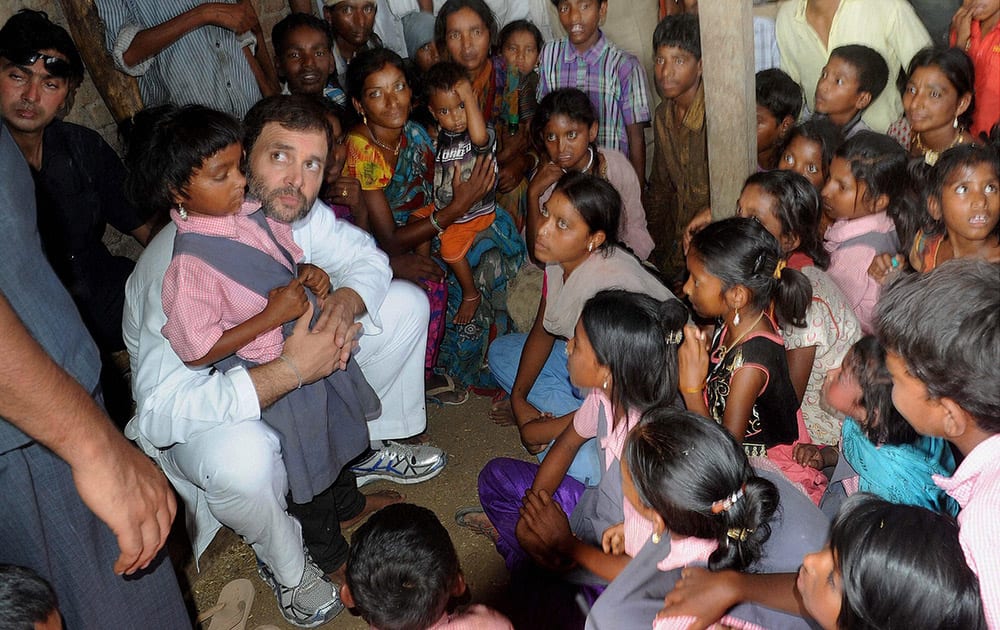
(434,221)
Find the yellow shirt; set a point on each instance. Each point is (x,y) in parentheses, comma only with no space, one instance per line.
(889,26)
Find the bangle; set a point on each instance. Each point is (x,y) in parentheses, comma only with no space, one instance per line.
(693,390)
(294,369)
(434,222)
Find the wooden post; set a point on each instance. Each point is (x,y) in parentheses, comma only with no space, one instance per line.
(727,57)
(119,91)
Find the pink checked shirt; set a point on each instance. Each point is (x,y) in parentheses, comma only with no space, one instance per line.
(685,551)
(976,487)
(201,303)
(637,528)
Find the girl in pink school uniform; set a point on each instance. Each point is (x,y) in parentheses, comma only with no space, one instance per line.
(866,197)
(624,351)
(234,286)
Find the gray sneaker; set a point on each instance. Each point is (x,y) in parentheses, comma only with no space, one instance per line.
(401,463)
(312,603)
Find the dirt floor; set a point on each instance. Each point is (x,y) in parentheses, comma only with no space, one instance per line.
(468,436)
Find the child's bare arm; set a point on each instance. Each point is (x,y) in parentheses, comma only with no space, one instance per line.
(536,433)
(692,369)
(707,595)
(283,304)
(637,149)
(744,386)
(314,279)
(553,468)
(474,116)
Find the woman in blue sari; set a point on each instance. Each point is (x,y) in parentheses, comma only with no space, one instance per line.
(393,159)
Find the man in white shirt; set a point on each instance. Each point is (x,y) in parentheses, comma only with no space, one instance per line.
(204,426)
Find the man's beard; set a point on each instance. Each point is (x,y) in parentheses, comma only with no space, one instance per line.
(272,207)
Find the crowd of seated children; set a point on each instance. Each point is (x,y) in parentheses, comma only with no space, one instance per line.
(510,143)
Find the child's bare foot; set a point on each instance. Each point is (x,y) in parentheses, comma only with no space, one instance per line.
(468,308)
(373,503)
(502,413)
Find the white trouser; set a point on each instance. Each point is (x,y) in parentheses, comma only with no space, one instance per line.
(234,475)
(393,362)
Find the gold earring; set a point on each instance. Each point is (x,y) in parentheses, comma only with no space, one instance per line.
(605,385)
(736,319)
(655,538)
(955,124)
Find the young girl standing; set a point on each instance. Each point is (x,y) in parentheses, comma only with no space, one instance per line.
(565,130)
(879,452)
(865,198)
(576,239)
(788,207)
(737,273)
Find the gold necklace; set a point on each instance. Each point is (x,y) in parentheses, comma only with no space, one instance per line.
(930,155)
(378,143)
(723,349)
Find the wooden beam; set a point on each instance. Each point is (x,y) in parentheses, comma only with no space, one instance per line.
(727,57)
(119,91)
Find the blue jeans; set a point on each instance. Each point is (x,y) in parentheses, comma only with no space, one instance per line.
(552,393)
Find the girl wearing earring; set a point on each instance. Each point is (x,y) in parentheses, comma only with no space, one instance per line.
(938,101)
(576,239)
(624,352)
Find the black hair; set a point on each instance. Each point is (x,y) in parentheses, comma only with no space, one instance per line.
(555,3)
(281,30)
(956,67)
(367,62)
(961,156)
(778,93)
(167,144)
(443,76)
(797,209)
(873,71)
(519,26)
(945,324)
(740,251)
(571,103)
(25,598)
(296,112)
(824,133)
(454,6)
(402,568)
(881,163)
(698,479)
(637,337)
(596,200)
(891,578)
(679,31)
(29,30)
(883,424)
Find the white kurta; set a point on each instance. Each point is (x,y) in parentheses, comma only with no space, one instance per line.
(205,427)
